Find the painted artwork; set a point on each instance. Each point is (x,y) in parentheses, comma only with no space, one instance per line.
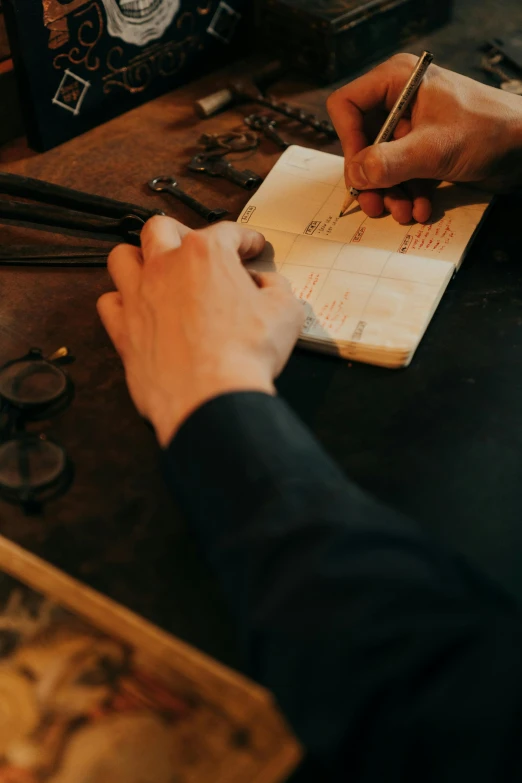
(133,21)
(82,62)
(139,21)
(79,704)
(74,708)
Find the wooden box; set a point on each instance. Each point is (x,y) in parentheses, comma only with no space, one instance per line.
(331,38)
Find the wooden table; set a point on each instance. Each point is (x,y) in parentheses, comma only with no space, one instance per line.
(440,441)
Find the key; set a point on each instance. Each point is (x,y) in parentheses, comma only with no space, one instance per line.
(512,85)
(491,64)
(267,126)
(270,132)
(219,167)
(169,185)
(508,83)
(510,48)
(220,144)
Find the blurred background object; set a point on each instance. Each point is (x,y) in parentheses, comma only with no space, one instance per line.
(78,64)
(329,39)
(81,63)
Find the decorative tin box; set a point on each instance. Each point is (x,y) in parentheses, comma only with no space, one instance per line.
(81,62)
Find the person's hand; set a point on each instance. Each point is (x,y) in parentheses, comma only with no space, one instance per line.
(457,130)
(190,322)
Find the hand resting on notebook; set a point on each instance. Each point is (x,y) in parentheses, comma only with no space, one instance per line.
(458,130)
(190,323)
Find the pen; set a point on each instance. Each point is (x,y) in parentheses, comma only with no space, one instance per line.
(403,101)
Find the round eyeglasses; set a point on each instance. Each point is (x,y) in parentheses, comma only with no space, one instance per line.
(33,467)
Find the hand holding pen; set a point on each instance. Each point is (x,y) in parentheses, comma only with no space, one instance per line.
(401,106)
(456,129)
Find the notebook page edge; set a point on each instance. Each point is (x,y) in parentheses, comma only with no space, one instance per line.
(351,348)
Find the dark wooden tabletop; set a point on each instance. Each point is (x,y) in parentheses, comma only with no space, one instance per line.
(441,441)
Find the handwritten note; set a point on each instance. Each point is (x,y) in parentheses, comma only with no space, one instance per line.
(368,285)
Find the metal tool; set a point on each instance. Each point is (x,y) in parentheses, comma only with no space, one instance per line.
(307,119)
(219,144)
(127,227)
(246,92)
(509,46)
(54,255)
(257,82)
(219,167)
(267,125)
(165,184)
(70,210)
(513,86)
(493,63)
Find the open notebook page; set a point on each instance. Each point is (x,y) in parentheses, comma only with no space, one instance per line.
(370,281)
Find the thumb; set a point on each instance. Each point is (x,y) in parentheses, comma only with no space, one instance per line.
(419,155)
(247,242)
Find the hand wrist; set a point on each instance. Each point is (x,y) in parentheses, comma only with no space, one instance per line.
(515,117)
(174,410)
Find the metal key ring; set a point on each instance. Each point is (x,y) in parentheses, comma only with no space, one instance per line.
(160,184)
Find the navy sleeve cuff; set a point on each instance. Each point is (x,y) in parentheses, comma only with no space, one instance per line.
(235,449)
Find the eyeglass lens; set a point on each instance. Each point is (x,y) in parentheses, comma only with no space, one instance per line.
(30,382)
(30,463)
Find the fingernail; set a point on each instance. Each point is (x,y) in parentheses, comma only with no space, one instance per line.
(356,175)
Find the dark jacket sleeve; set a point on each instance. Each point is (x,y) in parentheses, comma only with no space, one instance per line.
(392,659)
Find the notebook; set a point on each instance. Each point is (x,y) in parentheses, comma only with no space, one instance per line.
(370,286)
